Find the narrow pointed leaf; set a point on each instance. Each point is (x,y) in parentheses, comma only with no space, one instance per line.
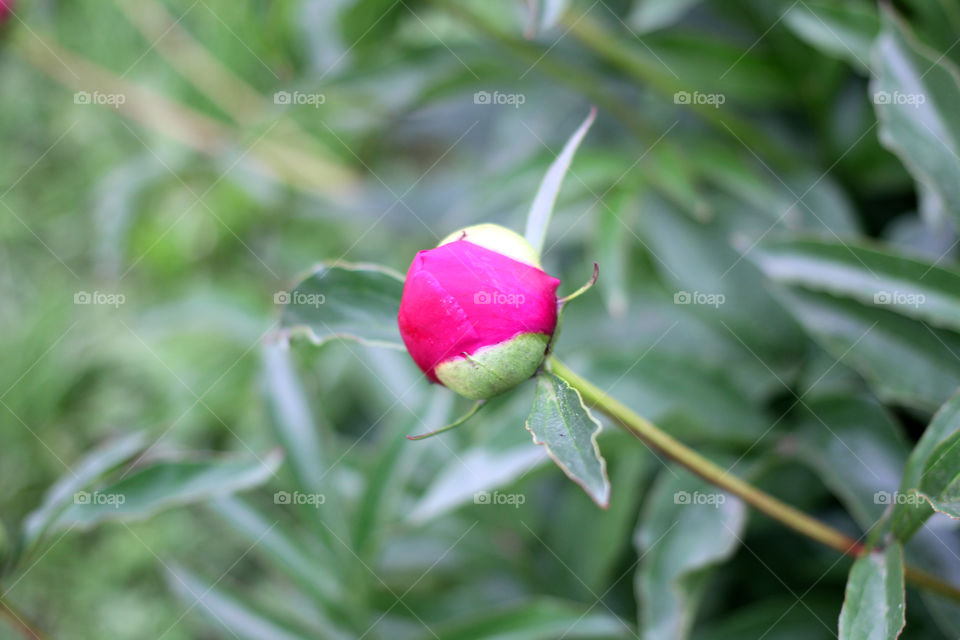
(166,484)
(97,463)
(540,619)
(874,607)
(940,483)
(843,30)
(562,423)
(649,15)
(539,217)
(929,454)
(346,301)
(238,618)
(915,93)
(687,527)
(872,275)
(903,360)
(270,540)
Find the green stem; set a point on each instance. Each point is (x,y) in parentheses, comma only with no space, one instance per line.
(20,622)
(716,475)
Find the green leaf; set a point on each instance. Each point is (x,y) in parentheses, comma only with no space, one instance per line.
(538,219)
(540,619)
(240,619)
(489,470)
(940,483)
(346,301)
(576,525)
(562,423)
(649,15)
(855,446)
(687,527)
(904,361)
(916,92)
(163,485)
(270,540)
(874,607)
(843,30)
(90,469)
(908,514)
(872,275)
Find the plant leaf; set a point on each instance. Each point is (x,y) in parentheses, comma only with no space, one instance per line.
(904,361)
(163,485)
(562,423)
(916,92)
(488,471)
(539,619)
(874,607)
(538,219)
(228,612)
(855,446)
(909,515)
(347,301)
(687,527)
(843,30)
(940,483)
(649,15)
(90,469)
(907,285)
(270,540)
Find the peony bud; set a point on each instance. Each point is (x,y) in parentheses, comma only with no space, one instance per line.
(6,8)
(478,312)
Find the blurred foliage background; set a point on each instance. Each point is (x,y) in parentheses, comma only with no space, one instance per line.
(193,157)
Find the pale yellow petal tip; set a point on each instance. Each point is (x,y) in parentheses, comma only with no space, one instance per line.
(500,239)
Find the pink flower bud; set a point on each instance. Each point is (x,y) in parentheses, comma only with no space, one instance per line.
(478,312)
(6,8)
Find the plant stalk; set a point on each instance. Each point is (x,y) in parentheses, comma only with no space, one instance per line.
(20,622)
(716,475)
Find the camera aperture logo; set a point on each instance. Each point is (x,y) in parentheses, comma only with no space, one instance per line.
(99,297)
(899,298)
(496,297)
(312,499)
(896,97)
(713,498)
(910,497)
(99,98)
(486,497)
(511,99)
(696,97)
(708,299)
(299,298)
(299,98)
(109,499)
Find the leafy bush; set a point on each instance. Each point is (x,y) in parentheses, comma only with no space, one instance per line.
(771,193)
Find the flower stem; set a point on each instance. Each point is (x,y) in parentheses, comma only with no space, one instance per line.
(20,622)
(714,474)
